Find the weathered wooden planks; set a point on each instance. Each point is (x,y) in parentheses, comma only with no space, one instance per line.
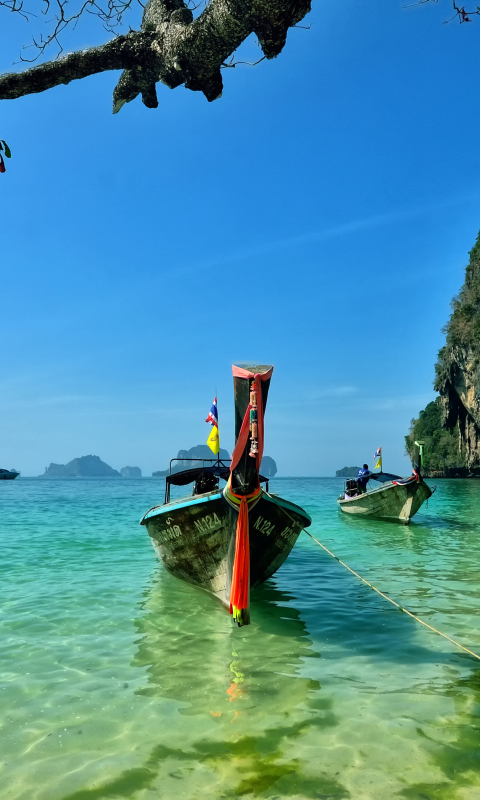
(195,538)
(390,501)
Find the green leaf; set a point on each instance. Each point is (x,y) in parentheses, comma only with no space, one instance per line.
(7,149)
(1,147)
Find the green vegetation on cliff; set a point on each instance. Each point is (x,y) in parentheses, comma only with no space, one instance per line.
(463,328)
(441,452)
(458,365)
(450,426)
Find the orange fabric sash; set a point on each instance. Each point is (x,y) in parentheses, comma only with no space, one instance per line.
(240,588)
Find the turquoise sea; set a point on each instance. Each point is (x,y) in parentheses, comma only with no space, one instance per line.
(117,681)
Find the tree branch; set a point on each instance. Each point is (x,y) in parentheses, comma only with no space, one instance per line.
(171,47)
(135,81)
(124,51)
(461,13)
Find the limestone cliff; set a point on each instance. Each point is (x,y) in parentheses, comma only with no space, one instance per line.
(347,472)
(458,365)
(268,466)
(131,472)
(442,457)
(83,467)
(200,452)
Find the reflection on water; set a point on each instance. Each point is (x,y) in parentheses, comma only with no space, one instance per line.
(244,715)
(120,682)
(246,689)
(243,687)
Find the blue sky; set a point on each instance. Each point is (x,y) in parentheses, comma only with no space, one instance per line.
(317,217)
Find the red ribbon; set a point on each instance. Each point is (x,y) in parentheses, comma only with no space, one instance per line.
(240,588)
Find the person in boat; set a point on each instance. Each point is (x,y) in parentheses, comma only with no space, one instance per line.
(363,476)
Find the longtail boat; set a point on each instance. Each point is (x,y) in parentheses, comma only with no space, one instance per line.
(396,498)
(228,541)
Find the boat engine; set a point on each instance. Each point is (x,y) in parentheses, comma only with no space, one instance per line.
(351,488)
(205,483)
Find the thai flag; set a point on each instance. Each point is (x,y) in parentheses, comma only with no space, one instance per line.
(213,414)
(378,453)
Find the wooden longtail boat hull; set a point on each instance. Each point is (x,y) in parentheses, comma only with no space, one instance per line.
(195,538)
(227,542)
(390,501)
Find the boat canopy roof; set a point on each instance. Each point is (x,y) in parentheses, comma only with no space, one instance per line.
(384,477)
(190,475)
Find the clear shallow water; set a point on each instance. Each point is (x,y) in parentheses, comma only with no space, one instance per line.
(117,681)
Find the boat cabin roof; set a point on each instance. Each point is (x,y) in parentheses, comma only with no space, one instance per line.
(185,476)
(384,477)
(190,475)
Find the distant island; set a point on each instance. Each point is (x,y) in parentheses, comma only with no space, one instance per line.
(199,453)
(131,472)
(84,467)
(347,472)
(268,466)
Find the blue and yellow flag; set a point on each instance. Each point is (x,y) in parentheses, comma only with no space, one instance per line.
(213,440)
(378,455)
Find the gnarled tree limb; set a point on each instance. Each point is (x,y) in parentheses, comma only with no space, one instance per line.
(124,51)
(171,47)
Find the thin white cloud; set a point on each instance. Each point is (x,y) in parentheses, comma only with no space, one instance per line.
(309,237)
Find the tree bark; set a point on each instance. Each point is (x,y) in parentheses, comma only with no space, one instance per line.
(171,47)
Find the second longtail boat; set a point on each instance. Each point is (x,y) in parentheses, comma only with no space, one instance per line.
(229,541)
(395,498)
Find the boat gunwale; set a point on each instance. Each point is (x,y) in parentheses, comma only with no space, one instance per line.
(280,501)
(382,488)
(182,502)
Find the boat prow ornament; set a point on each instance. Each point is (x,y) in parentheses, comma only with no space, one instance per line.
(228,541)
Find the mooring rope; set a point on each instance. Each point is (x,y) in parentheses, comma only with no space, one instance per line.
(414,616)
